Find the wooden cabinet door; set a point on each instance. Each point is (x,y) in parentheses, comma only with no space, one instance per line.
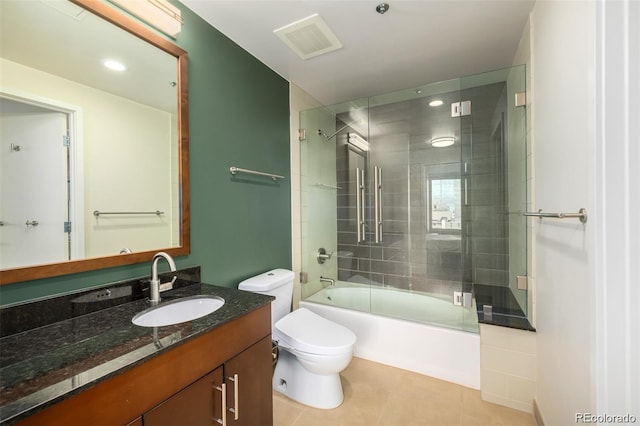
(198,404)
(248,378)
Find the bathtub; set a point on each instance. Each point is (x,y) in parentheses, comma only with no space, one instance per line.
(449,350)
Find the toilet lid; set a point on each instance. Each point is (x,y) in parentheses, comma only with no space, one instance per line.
(306,331)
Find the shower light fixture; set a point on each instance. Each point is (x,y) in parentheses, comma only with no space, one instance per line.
(436,103)
(442,142)
(358,141)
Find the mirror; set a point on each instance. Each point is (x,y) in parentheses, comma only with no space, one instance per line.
(111,186)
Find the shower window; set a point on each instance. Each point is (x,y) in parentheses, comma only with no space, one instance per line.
(445,202)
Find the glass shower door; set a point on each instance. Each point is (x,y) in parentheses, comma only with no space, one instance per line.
(416,197)
(420,258)
(335,203)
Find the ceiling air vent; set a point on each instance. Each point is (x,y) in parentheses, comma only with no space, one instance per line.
(309,37)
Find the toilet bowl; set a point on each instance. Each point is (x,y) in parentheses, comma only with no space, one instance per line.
(313,350)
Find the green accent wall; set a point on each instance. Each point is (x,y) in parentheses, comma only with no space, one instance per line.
(238,116)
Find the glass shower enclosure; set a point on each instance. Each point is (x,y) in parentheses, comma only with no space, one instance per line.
(412,201)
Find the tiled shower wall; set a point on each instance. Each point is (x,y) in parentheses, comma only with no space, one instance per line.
(488,232)
(411,256)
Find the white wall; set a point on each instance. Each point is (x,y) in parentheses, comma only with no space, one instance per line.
(563,55)
(586,302)
(617,175)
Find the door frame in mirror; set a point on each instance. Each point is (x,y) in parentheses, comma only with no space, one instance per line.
(143,32)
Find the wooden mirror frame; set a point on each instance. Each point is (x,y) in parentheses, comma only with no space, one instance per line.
(138,29)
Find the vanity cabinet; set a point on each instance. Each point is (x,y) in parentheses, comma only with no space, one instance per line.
(245,380)
(198,404)
(182,385)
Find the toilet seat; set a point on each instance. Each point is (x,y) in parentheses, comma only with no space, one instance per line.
(305,331)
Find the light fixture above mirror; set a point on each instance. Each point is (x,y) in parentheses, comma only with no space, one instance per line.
(158,13)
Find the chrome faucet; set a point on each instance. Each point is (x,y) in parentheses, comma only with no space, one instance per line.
(155,286)
(331,281)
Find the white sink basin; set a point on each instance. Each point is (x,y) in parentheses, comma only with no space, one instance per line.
(178,311)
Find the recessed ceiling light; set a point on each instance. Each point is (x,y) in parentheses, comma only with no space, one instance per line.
(382,8)
(114,65)
(436,103)
(442,142)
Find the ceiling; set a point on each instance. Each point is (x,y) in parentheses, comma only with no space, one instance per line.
(415,42)
(62,39)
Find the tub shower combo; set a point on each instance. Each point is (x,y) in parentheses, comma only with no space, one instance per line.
(412,207)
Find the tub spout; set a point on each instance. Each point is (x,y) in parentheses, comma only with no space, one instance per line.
(331,281)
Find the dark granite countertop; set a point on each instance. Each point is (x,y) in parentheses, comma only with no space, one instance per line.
(44,365)
(504,309)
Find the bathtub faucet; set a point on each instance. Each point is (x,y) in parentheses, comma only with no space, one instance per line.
(331,281)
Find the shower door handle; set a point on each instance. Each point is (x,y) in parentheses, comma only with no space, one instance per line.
(360,204)
(377,177)
(466,193)
(358,196)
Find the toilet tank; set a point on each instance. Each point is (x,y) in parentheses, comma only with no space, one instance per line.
(277,283)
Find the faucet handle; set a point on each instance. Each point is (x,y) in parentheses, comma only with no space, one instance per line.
(169,285)
(322,255)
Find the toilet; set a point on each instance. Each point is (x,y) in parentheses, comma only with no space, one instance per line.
(313,350)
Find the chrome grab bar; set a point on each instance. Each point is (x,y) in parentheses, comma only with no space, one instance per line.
(234,170)
(97,213)
(581,215)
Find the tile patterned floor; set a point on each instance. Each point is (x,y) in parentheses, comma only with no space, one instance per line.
(377,394)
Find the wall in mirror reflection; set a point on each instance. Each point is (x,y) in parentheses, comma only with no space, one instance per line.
(122,158)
